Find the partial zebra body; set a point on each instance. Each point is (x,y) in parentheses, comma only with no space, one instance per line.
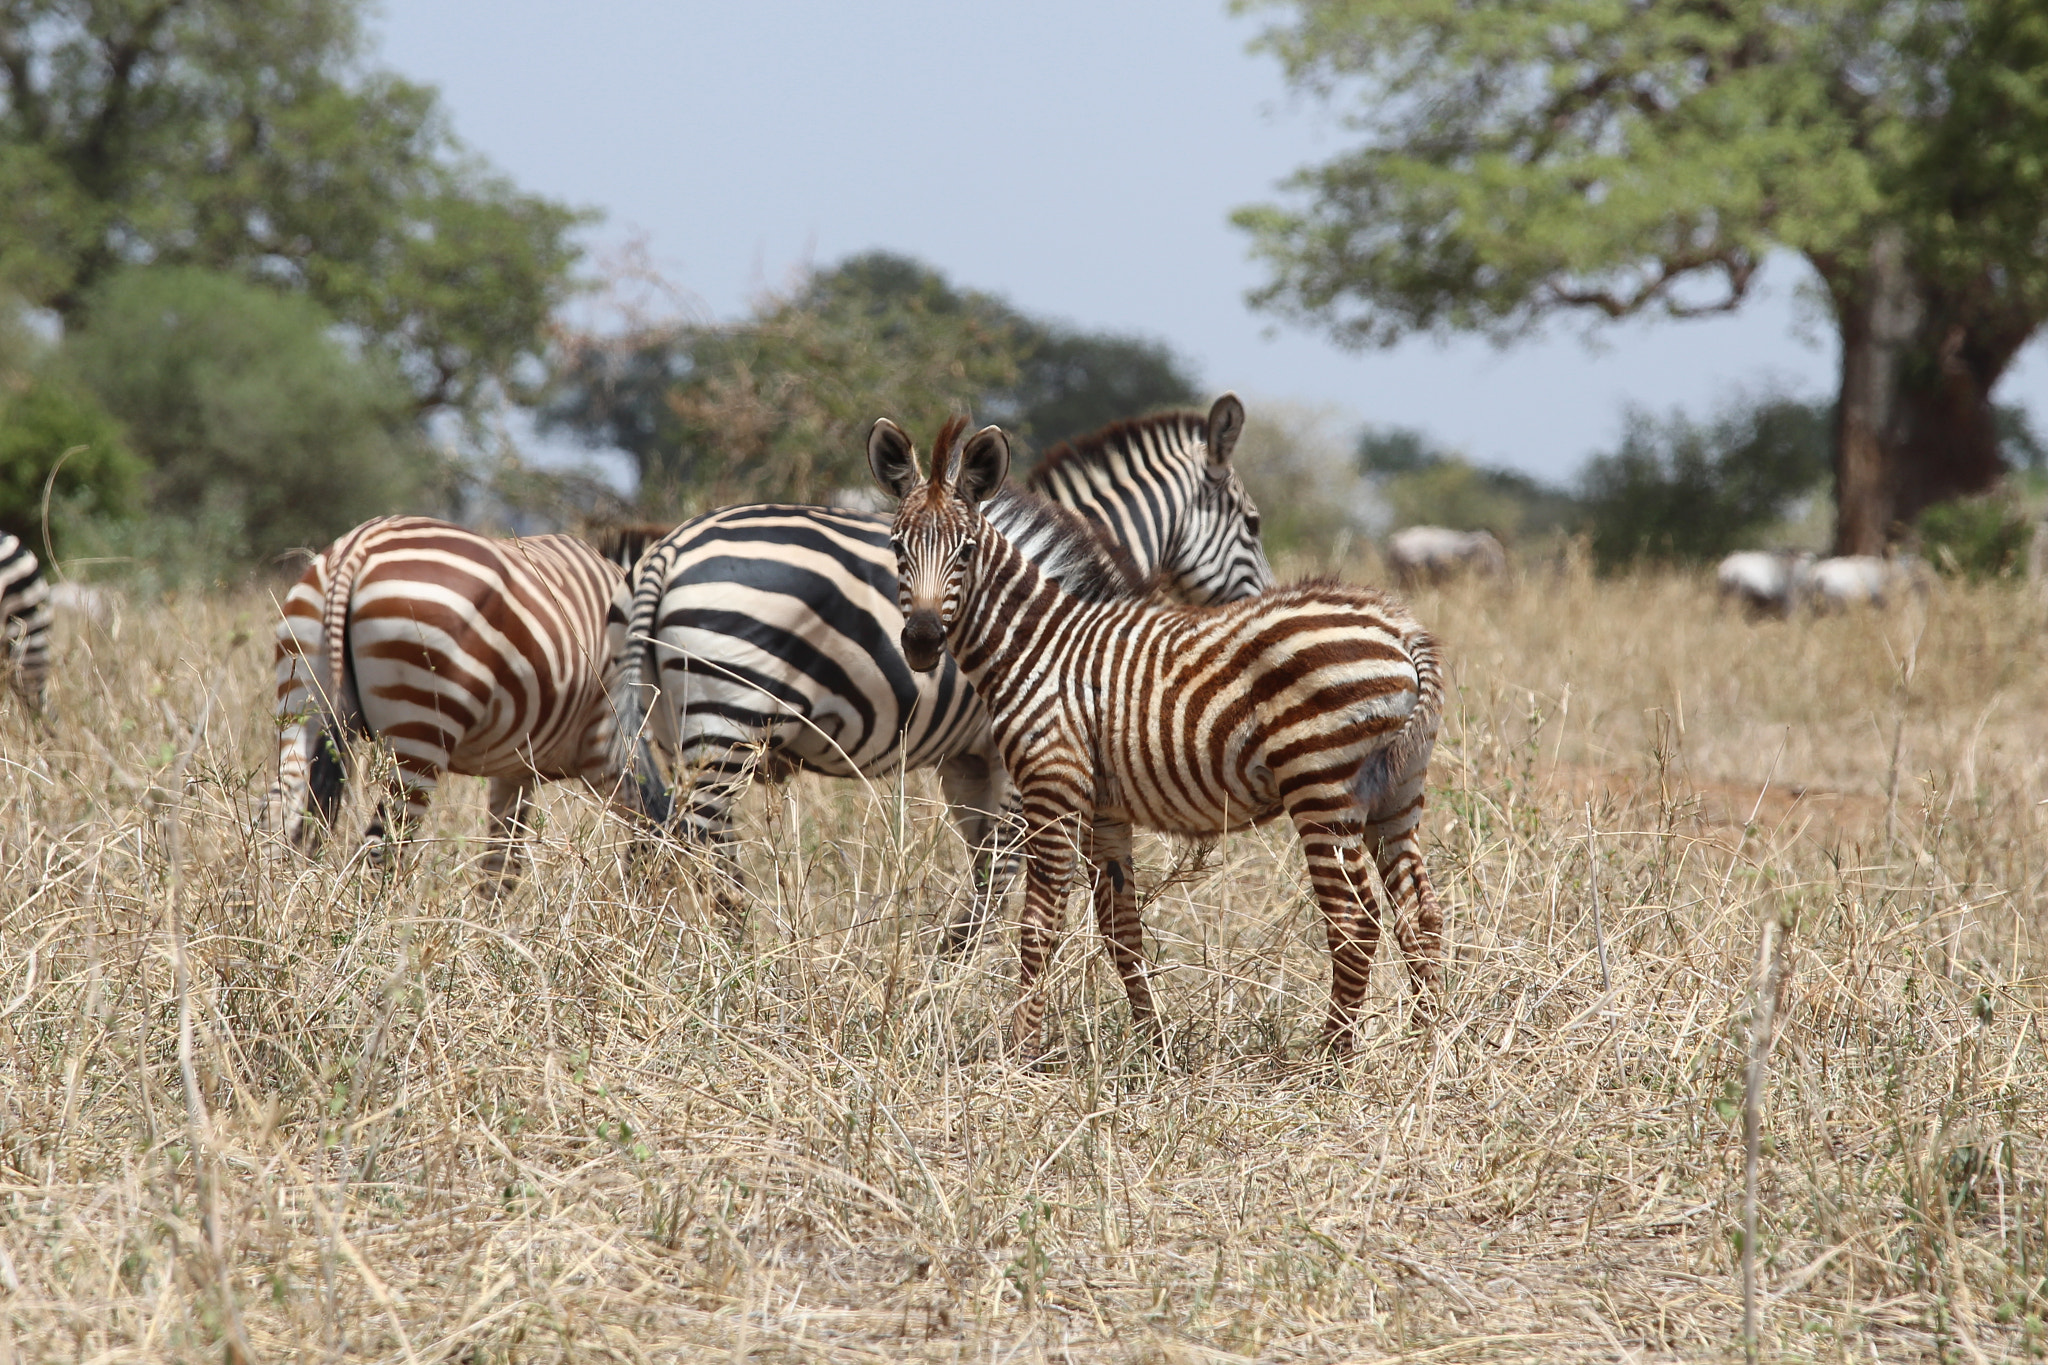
(1861,581)
(1765,582)
(770,633)
(1431,554)
(24,620)
(1318,701)
(462,653)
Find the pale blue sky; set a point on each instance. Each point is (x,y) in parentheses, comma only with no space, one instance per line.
(1078,156)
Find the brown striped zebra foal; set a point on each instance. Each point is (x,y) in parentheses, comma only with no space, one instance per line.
(463,654)
(1319,701)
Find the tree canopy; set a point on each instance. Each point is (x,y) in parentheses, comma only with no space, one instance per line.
(777,404)
(254,418)
(1517,162)
(247,136)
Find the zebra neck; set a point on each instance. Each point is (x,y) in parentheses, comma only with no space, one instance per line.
(1007,610)
(1140,505)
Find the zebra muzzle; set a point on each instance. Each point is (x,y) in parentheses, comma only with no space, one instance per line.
(923,639)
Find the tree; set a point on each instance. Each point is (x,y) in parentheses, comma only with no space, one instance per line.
(1684,492)
(777,404)
(244,136)
(1070,382)
(248,409)
(1422,484)
(41,422)
(1524,161)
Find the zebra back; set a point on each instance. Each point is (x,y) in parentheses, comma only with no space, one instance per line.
(24,618)
(1163,488)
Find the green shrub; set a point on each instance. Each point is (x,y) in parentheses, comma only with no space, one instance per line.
(1682,491)
(249,409)
(1977,538)
(39,422)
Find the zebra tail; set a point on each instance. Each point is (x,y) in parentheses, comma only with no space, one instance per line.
(639,675)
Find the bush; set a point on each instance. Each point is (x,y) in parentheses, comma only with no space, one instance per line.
(1680,491)
(1977,538)
(248,409)
(38,423)
(1423,484)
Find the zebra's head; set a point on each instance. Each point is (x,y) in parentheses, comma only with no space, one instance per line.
(1215,554)
(938,525)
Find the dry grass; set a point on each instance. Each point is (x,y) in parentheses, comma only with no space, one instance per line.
(387,1120)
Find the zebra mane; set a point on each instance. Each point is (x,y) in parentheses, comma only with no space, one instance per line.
(950,436)
(1066,546)
(1177,428)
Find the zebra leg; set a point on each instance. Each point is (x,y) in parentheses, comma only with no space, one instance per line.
(985,806)
(716,769)
(1396,842)
(1351,915)
(305,736)
(407,794)
(1052,853)
(1116,917)
(1421,936)
(502,863)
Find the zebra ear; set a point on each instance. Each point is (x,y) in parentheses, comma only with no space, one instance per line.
(1226,424)
(984,464)
(892,458)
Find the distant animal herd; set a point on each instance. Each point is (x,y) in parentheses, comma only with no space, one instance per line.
(1100,650)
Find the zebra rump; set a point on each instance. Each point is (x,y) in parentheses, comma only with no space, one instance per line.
(464,654)
(24,619)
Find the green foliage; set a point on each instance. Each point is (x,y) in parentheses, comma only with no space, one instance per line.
(1424,485)
(1070,383)
(248,409)
(40,420)
(1518,160)
(1686,492)
(1977,538)
(776,405)
(246,136)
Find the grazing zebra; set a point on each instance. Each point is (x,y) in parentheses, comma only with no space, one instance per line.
(1317,700)
(465,654)
(1432,554)
(769,633)
(24,619)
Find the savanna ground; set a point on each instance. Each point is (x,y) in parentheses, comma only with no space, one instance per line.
(256,1107)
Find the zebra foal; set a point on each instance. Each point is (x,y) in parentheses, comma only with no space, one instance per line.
(24,620)
(1319,701)
(463,653)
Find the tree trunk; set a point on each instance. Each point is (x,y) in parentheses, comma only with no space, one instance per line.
(1878,310)
(1914,423)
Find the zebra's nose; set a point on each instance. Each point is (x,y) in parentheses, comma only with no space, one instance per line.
(923,638)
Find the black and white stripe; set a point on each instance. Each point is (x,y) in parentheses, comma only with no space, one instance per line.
(770,634)
(24,620)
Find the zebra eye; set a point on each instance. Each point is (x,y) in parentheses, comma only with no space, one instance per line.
(1251,522)
(966,549)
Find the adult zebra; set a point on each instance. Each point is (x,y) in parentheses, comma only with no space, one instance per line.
(1317,700)
(770,632)
(24,619)
(465,654)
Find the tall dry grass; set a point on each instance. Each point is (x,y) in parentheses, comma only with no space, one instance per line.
(260,1107)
